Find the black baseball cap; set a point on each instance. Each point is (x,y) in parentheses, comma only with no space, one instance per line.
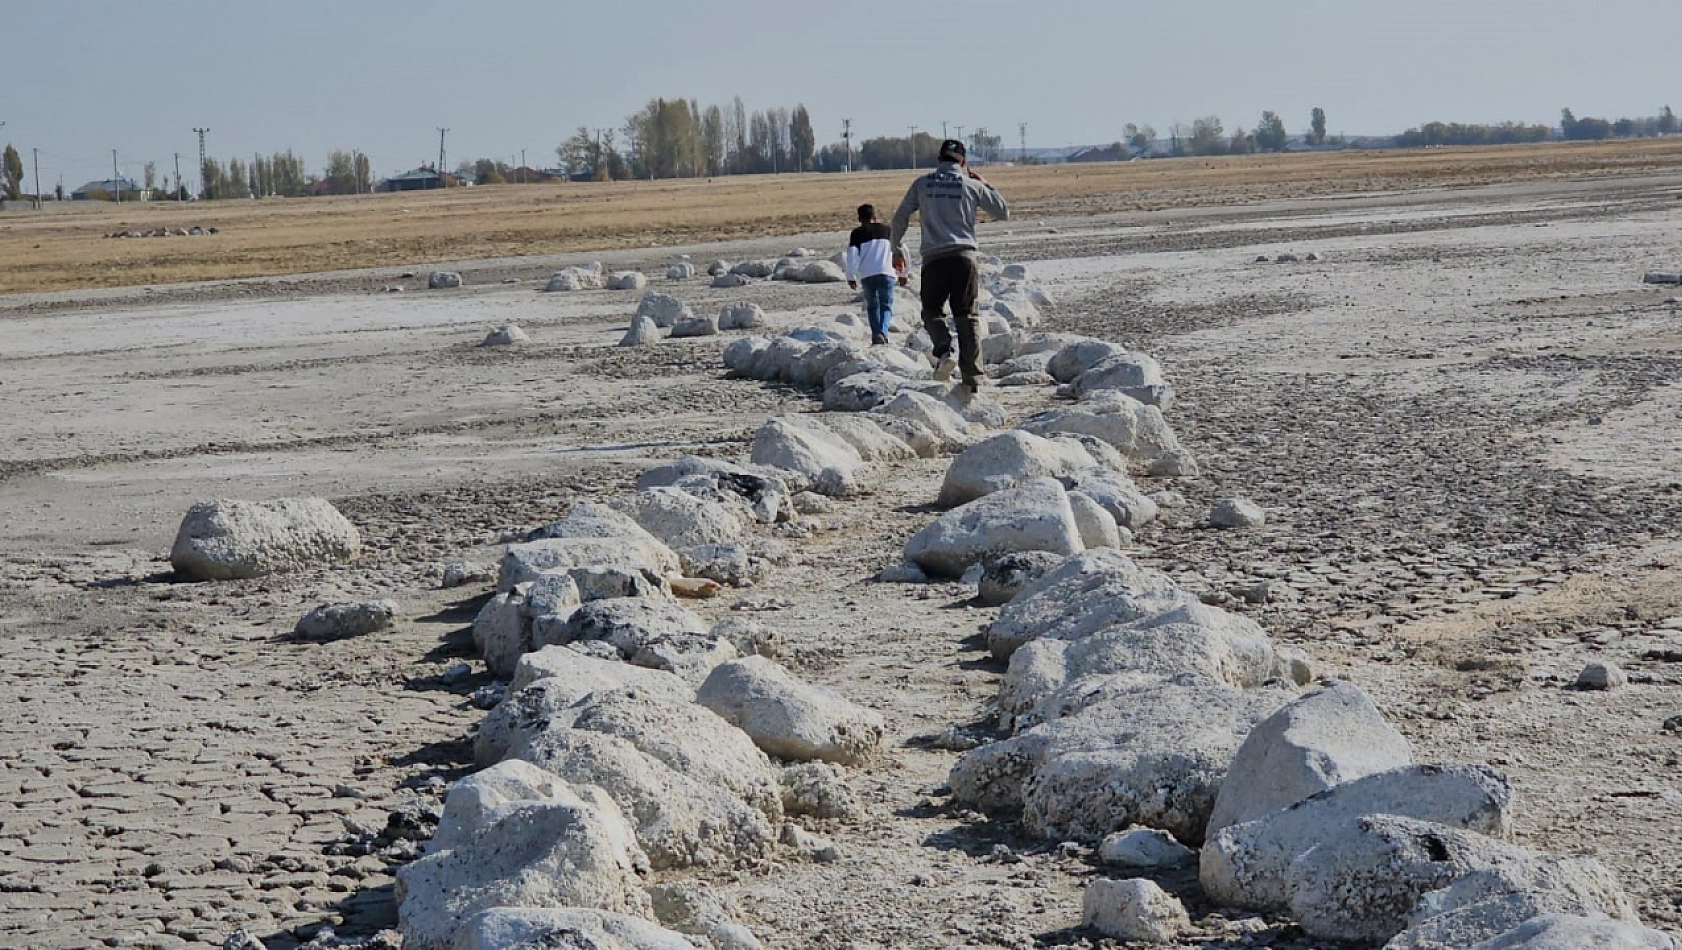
(951,150)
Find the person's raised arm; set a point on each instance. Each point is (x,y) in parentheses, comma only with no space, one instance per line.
(988,198)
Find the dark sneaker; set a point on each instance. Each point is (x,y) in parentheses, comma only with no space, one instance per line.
(972,384)
(878,339)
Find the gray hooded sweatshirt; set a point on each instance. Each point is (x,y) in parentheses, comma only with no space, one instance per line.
(946,200)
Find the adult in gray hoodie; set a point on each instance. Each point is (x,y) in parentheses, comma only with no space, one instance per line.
(946,201)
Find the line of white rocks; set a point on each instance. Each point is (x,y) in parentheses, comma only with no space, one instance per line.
(1143,721)
(634,739)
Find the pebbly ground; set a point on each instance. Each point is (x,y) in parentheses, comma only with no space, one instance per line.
(1461,422)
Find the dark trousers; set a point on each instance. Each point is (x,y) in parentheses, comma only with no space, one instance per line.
(955,280)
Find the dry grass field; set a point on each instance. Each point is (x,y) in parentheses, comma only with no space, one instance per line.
(65,248)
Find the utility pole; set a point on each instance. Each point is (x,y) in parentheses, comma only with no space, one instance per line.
(913,141)
(961,133)
(116,177)
(203,164)
(441,152)
(943,133)
(37,154)
(1022,130)
(179,190)
(847,137)
(522,166)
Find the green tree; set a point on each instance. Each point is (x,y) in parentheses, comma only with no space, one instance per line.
(1667,121)
(802,140)
(1207,137)
(1318,126)
(1270,133)
(340,174)
(1138,137)
(11,173)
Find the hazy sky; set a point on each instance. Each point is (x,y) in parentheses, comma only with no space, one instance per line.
(80,77)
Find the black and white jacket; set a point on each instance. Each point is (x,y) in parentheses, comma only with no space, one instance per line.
(870,252)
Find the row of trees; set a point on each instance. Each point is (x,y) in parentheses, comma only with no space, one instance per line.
(676,138)
(1591,129)
(1510,133)
(1455,133)
(1206,136)
(282,175)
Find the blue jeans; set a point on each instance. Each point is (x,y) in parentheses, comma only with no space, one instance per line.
(879,303)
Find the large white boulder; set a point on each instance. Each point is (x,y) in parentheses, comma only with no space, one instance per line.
(1116,493)
(506,335)
(863,391)
(701,325)
(1133,374)
(547,687)
(491,794)
(741,316)
(820,272)
(1007,346)
(1096,526)
(1486,904)
(1079,355)
(1003,577)
(1360,881)
(1153,757)
(571,928)
(952,431)
(663,309)
(679,821)
(643,331)
(234,540)
(544,854)
(502,630)
(627,280)
(339,621)
(575,279)
(1137,910)
(1007,460)
(825,463)
(1249,865)
(788,718)
(1034,516)
(590,536)
(761,490)
(680,519)
(628,624)
(1189,644)
(692,908)
(1082,596)
(1541,931)
(861,431)
(1332,735)
(691,740)
(758,270)
(1138,431)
